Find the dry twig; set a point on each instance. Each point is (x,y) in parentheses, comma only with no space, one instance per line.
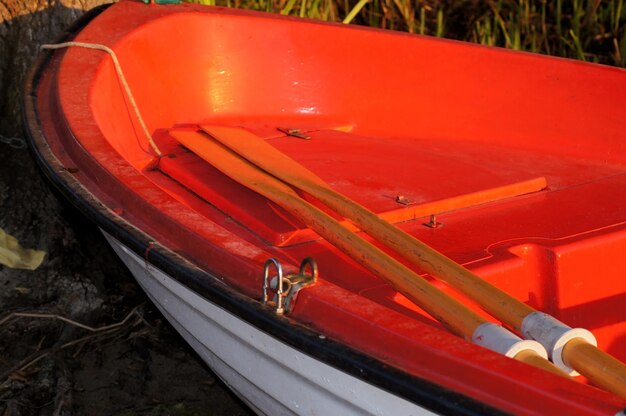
(67,320)
(39,355)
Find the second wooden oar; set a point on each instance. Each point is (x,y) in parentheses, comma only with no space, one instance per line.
(452,314)
(602,369)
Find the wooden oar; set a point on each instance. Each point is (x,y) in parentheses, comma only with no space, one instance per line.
(605,372)
(452,314)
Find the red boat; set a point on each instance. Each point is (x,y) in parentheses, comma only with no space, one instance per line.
(343,220)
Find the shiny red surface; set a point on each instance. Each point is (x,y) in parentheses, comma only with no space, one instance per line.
(419,117)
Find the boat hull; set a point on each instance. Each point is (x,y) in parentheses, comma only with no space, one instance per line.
(350,344)
(272,377)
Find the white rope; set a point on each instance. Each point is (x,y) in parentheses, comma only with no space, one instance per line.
(122,78)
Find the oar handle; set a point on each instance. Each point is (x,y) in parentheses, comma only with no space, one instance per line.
(599,367)
(531,357)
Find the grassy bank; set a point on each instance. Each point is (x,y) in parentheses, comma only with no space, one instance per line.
(591,30)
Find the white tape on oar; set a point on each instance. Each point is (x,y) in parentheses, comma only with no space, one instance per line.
(499,339)
(553,335)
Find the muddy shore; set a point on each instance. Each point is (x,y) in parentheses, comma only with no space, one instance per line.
(51,366)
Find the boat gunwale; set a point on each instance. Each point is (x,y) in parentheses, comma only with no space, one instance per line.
(415,389)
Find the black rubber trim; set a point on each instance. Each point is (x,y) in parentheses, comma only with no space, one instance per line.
(414,389)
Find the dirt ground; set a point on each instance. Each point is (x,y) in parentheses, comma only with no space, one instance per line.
(50,366)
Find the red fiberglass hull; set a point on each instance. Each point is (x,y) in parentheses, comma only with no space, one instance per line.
(521,157)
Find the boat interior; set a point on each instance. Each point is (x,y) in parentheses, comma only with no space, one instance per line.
(510,164)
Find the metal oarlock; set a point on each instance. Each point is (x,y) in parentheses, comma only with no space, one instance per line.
(286,287)
(266,284)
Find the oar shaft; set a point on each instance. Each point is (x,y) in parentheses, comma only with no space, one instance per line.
(598,366)
(498,303)
(452,314)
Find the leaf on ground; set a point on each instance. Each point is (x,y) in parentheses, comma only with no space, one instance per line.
(13,255)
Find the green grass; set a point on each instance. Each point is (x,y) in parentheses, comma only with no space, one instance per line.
(591,30)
